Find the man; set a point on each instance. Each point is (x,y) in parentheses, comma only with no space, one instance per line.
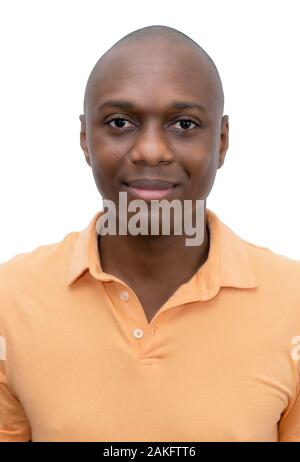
(140,337)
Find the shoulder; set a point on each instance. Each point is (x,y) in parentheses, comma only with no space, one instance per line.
(274,267)
(26,269)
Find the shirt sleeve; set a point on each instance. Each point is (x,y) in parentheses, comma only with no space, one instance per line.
(289,424)
(14,426)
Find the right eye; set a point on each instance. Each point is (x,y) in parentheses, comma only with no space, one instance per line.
(119,121)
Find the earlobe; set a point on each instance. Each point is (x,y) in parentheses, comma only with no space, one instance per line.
(224,140)
(221,160)
(83,143)
(85,148)
(87,158)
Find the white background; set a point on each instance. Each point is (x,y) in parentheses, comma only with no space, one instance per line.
(47,52)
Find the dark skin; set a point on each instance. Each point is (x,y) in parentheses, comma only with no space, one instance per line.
(151,140)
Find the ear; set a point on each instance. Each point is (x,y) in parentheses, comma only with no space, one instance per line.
(224,139)
(83,142)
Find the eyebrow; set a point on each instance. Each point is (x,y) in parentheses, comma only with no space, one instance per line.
(174,105)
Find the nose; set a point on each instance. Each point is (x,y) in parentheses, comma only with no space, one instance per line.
(150,147)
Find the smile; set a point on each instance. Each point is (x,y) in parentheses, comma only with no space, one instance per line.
(148,189)
(149,194)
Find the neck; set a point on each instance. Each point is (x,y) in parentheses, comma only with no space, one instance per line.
(151,258)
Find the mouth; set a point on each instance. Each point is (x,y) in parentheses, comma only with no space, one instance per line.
(148,189)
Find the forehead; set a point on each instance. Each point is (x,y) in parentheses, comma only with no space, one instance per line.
(153,73)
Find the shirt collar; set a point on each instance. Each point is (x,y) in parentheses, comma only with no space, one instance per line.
(228,263)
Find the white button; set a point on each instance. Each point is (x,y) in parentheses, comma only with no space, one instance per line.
(138,333)
(124,295)
(2,348)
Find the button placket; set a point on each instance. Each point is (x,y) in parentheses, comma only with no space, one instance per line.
(133,315)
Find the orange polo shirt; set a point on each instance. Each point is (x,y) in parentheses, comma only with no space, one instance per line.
(218,362)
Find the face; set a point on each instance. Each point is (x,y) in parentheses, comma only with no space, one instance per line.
(138,125)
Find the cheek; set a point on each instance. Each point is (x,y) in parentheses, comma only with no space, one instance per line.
(203,168)
(104,167)
(203,164)
(106,158)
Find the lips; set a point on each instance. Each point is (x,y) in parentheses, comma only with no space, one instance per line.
(148,189)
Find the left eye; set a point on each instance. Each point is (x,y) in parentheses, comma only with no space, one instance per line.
(186,122)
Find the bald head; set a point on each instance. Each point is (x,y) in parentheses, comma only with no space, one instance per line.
(161,35)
